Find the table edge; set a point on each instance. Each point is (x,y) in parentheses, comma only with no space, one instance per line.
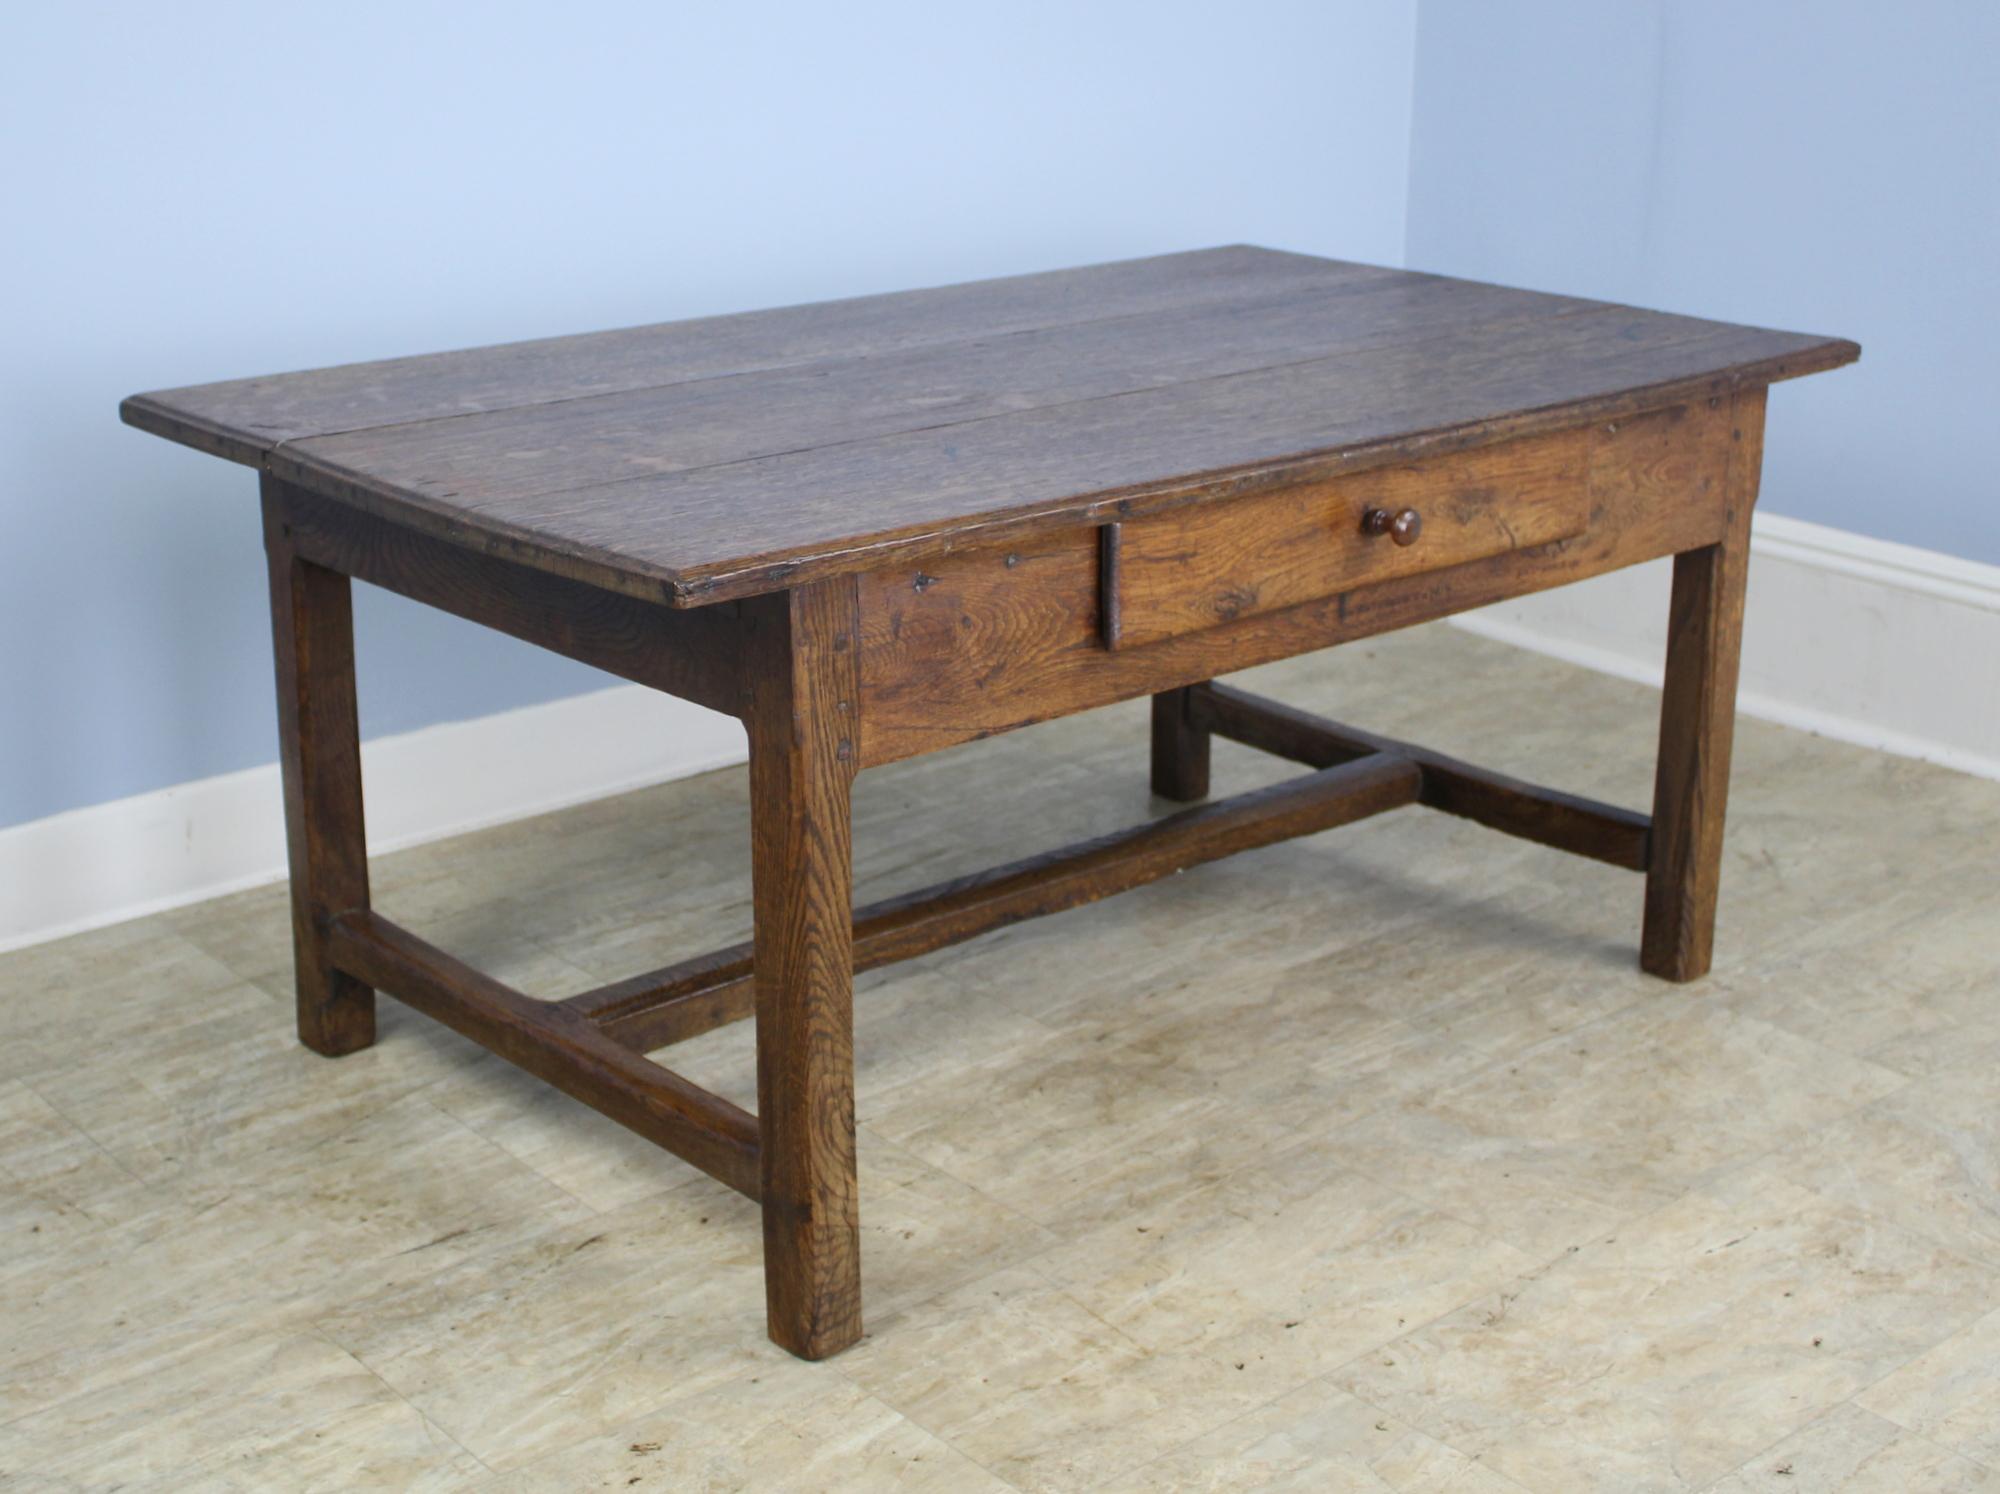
(698,586)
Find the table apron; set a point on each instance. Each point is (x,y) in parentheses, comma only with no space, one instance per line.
(971,644)
(975,642)
(696,654)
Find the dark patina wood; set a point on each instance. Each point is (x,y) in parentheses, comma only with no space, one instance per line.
(1698,721)
(994,638)
(319,757)
(1568,822)
(804,701)
(879,527)
(690,654)
(554,1044)
(1180,749)
(832,455)
(1187,570)
(685,1000)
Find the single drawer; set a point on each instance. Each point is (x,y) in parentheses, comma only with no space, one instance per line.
(1192,568)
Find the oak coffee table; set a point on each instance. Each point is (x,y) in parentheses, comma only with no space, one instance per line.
(878,527)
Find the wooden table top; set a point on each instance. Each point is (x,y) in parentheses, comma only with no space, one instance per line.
(701,460)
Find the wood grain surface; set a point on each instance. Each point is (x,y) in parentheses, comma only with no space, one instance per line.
(1569,822)
(319,760)
(1195,567)
(803,757)
(660,1007)
(1181,749)
(987,640)
(730,456)
(694,655)
(555,1045)
(1698,722)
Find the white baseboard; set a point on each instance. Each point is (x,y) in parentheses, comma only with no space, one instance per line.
(130,857)
(1852,638)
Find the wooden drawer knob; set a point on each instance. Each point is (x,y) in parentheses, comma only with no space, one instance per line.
(1403,526)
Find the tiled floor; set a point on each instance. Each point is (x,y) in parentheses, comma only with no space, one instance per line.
(1364,1162)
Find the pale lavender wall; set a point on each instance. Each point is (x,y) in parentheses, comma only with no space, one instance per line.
(206,190)
(1826,165)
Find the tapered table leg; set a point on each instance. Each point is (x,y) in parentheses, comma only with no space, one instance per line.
(319,754)
(1697,724)
(1180,749)
(803,749)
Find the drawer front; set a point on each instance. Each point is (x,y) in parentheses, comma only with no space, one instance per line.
(1197,567)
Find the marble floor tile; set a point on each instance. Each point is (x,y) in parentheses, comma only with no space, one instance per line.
(249,931)
(1852,1451)
(1282,906)
(789,1429)
(914,1022)
(1304,1050)
(1048,1129)
(1849,848)
(23,1059)
(399,1195)
(523,1349)
(921,1020)
(1521,1005)
(1314,1440)
(1950,1394)
(586,1326)
(1926,1157)
(216,1105)
(487,934)
(1284,1271)
(635,929)
(1665,1354)
(923,1231)
(1034,1387)
(110,993)
(56,1184)
(1917,998)
(1554,1146)
(286,1411)
(587,1155)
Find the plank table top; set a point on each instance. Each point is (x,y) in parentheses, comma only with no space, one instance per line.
(695,461)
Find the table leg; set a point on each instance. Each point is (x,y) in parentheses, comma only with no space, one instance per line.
(1697,723)
(803,741)
(1180,749)
(319,754)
